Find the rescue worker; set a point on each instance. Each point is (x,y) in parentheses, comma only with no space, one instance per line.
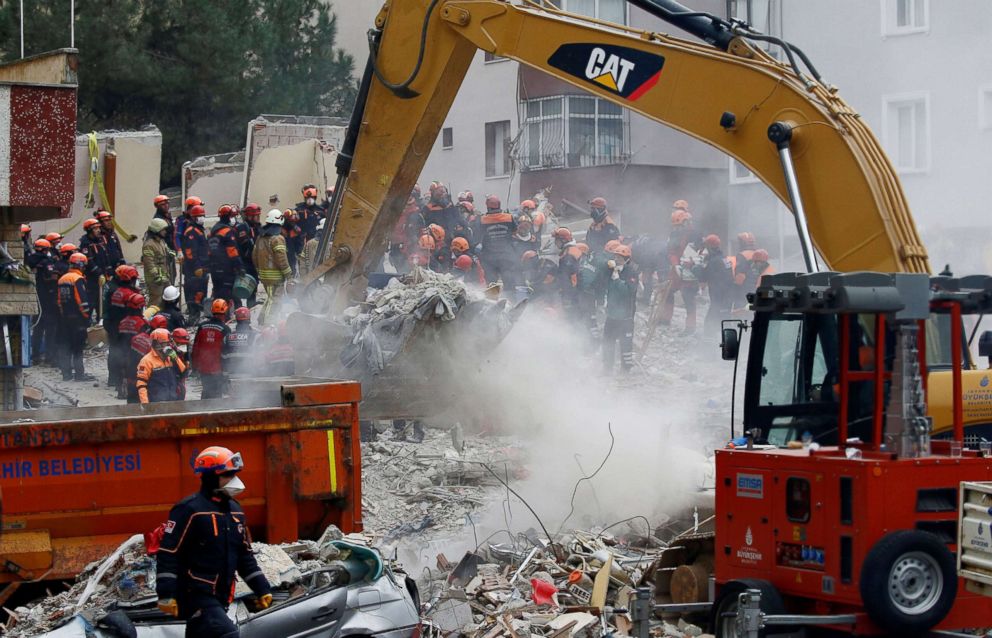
(527,207)
(208,349)
(310,212)
(621,305)
(741,263)
(759,267)
(239,345)
(225,258)
(718,274)
(569,258)
(496,246)
(466,196)
(26,238)
(115,254)
(97,265)
(440,259)
(271,259)
(602,229)
(467,269)
(681,256)
(55,239)
(245,235)
(74,313)
(206,542)
(308,258)
(162,212)
(160,371)
(293,235)
(468,224)
(157,260)
(170,309)
(61,264)
(46,280)
(439,210)
(424,253)
(183,222)
(125,286)
(130,326)
(279,358)
(523,238)
(180,340)
(196,262)
(402,241)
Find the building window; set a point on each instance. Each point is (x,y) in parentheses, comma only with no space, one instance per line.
(902,17)
(498,149)
(906,130)
(739,174)
(447,138)
(985,107)
(614,11)
(573,131)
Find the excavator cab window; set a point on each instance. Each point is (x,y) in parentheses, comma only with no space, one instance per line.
(939,343)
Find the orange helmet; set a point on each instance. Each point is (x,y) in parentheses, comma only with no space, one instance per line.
(103,214)
(242,313)
(290,215)
(611,245)
(623,251)
(563,235)
(746,240)
(197,211)
(583,248)
(219,307)
(467,205)
(528,203)
(310,192)
(67,248)
(538,219)
(78,260)
(251,210)
(225,211)
(437,232)
(193,201)
(180,336)
(426,242)
(42,244)
(459,245)
(136,301)
(760,255)
(160,335)
(217,460)
(711,241)
(680,217)
(464,262)
(159,322)
(126,272)
(597,202)
(54,238)
(89,224)
(160,199)
(681,204)
(25,228)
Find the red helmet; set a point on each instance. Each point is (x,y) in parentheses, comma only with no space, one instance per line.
(159,321)
(437,232)
(136,301)
(597,202)
(528,255)
(219,307)
(623,251)
(426,242)
(25,228)
(103,214)
(160,199)
(563,235)
(54,238)
(251,209)
(746,240)
(680,216)
(459,245)
(528,203)
(583,248)
(760,255)
(42,244)
(226,210)
(67,249)
(310,191)
(218,460)
(611,245)
(493,203)
(711,241)
(192,200)
(243,313)
(89,224)
(197,211)
(126,272)
(160,335)
(464,263)
(78,259)
(180,336)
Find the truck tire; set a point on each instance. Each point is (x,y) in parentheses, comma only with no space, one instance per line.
(722,625)
(908,582)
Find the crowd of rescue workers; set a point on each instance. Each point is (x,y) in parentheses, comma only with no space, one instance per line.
(154,343)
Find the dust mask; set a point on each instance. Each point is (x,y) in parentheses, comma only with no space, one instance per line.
(233,487)
(311,201)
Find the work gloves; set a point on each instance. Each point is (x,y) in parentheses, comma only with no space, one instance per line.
(170,607)
(265,601)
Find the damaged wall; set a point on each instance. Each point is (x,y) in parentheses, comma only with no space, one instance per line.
(216,179)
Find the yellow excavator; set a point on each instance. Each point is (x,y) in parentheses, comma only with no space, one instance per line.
(777,118)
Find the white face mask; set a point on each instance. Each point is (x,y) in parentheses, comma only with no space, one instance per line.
(233,487)
(310,201)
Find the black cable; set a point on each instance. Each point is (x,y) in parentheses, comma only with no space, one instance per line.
(575,490)
(526,504)
(403,89)
(499,531)
(627,520)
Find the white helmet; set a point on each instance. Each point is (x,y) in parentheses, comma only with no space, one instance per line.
(171,293)
(274,216)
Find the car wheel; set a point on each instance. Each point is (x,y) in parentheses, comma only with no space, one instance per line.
(724,620)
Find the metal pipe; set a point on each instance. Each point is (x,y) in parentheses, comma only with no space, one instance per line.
(72,24)
(706,27)
(781,134)
(22,29)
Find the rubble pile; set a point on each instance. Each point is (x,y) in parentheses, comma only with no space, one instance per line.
(433,486)
(581,586)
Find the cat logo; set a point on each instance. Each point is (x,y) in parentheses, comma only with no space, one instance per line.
(623,71)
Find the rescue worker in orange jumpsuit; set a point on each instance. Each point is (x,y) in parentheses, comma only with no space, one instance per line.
(602,229)
(406,232)
(205,542)
(496,229)
(74,311)
(180,339)
(439,210)
(225,258)
(208,350)
(294,237)
(160,371)
(309,212)
(758,268)
(467,269)
(184,221)
(128,329)
(569,257)
(679,275)
(741,262)
(196,262)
